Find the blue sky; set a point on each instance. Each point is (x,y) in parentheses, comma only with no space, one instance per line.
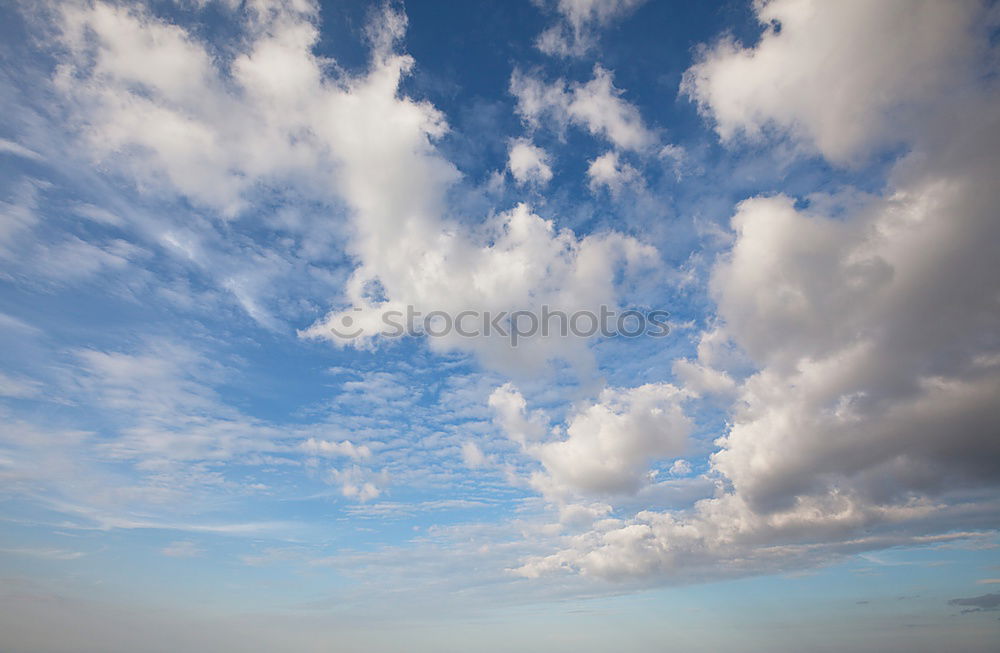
(197,193)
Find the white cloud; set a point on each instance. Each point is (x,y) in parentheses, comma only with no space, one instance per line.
(19,387)
(524,427)
(703,380)
(680,467)
(472,455)
(13,325)
(608,445)
(344,448)
(358,483)
(528,163)
(826,73)
(184,126)
(518,261)
(676,157)
(575,34)
(165,405)
(147,85)
(73,259)
(10,147)
(99,215)
(607,171)
(596,105)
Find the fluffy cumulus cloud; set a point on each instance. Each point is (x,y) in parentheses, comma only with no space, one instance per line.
(609,172)
(576,32)
(528,163)
(606,447)
(829,75)
(518,262)
(871,320)
(703,380)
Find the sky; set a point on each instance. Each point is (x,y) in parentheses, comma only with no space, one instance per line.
(208,441)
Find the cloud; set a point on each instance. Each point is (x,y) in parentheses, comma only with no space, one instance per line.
(867,416)
(73,259)
(528,163)
(575,34)
(390,509)
(513,417)
(269,120)
(166,406)
(596,106)
(151,154)
(607,171)
(473,456)
(675,157)
(12,324)
(18,387)
(163,443)
(842,101)
(358,483)
(10,147)
(703,380)
(680,467)
(984,603)
(173,110)
(345,448)
(48,554)
(608,445)
(516,261)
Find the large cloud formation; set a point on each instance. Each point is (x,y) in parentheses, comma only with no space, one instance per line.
(872,321)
